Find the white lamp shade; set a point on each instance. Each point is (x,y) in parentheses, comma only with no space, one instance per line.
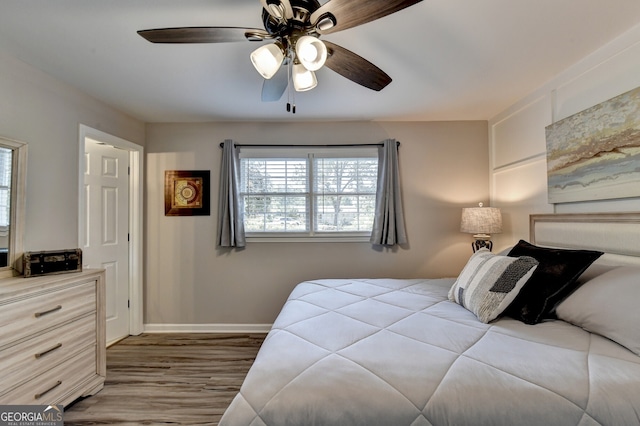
(311,52)
(267,59)
(303,79)
(481,220)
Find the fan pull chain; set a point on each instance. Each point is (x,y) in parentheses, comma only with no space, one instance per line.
(290,95)
(293,97)
(289,80)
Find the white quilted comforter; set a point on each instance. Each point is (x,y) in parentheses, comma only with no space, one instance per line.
(397,352)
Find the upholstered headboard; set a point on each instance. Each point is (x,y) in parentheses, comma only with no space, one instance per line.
(616,234)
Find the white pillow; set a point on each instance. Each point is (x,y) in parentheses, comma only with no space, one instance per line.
(489,283)
(608,305)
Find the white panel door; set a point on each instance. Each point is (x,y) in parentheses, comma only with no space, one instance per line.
(106,181)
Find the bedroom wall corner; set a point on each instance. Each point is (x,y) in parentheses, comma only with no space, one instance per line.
(192,285)
(45,113)
(517,145)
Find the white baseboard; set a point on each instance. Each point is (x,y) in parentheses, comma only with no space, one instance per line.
(207,328)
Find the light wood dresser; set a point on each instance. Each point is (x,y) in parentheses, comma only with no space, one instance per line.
(52,338)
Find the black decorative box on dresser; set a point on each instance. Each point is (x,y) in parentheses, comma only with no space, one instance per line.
(52,338)
(51,262)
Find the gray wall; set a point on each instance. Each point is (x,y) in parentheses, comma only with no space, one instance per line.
(192,285)
(46,114)
(188,281)
(518,170)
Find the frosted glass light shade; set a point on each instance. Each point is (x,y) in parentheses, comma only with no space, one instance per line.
(267,59)
(303,79)
(311,52)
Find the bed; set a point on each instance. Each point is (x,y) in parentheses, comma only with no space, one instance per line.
(421,352)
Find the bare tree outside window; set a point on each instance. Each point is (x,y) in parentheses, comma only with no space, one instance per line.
(309,195)
(345,193)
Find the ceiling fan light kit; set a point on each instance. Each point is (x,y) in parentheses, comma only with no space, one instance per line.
(296,27)
(311,52)
(276,10)
(267,59)
(303,79)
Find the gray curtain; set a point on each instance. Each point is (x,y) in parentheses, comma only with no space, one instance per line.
(230,221)
(388,224)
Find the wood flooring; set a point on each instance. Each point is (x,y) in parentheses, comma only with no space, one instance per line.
(176,379)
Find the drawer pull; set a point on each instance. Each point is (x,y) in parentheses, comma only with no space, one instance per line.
(41,394)
(48,351)
(50,311)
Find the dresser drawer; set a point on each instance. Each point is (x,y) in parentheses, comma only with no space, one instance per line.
(35,314)
(52,337)
(53,385)
(33,357)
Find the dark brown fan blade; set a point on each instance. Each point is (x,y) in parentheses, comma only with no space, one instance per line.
(203,34)
(273,88)
(351,13)
(286,7)
(355,68)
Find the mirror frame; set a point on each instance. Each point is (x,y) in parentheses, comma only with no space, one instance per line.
(18,200)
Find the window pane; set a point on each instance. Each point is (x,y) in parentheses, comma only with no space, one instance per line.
(277,198)
(345,194)
(275,195)
(254,176)
(275,213)
(339,175)
(4,206)
(273,175)
(345,213)
(5,186)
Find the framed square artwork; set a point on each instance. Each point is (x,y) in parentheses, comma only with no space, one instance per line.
(187,193)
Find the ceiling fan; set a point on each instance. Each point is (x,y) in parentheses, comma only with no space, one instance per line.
(294,28)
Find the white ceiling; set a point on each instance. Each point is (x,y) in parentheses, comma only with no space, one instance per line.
(449,59)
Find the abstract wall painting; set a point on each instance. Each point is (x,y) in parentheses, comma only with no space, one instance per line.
(595,154)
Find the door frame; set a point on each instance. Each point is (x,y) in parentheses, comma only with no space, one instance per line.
(136,162)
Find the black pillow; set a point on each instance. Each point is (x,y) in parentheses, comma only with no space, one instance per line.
(555,278)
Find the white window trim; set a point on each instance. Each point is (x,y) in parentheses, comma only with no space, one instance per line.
(307,239)
(301,152)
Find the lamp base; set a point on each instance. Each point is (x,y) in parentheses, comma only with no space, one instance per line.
(482,241)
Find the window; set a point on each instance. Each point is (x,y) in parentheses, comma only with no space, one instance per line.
(308,193)
(5,189)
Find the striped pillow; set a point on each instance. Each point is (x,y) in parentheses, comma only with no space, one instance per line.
(489,283)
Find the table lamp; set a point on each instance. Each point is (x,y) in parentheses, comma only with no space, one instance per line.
(482,222)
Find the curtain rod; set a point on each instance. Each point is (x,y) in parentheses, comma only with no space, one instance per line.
(347,145)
